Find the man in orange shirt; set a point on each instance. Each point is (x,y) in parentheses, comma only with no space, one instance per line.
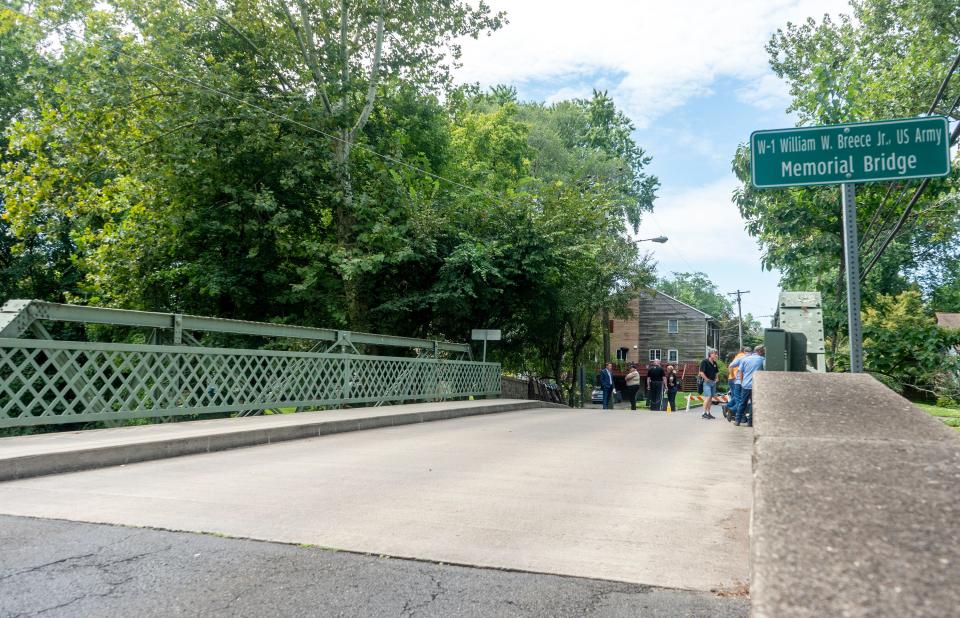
(734,384)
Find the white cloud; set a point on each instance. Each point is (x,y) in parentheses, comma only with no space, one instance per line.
(666,52)
(766,92)
(700,222)
(706,234)
(700,144)
(568,92)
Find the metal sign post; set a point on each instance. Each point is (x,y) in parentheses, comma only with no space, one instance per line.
(851,255)
(485,335)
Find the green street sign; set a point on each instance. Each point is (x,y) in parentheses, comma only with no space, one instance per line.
(851,153)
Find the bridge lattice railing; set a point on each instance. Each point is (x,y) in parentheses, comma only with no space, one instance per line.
(55,382)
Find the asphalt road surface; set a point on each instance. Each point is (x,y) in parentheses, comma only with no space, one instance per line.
(54,569)
(660,500)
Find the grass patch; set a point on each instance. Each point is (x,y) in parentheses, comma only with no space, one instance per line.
(939,411)
(290,410)
(949,416)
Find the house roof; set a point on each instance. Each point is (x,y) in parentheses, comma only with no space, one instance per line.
(948,320)
(703,313)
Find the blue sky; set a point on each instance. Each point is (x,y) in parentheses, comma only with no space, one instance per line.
(694,78)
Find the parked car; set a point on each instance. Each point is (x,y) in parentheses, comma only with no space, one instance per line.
(597,396)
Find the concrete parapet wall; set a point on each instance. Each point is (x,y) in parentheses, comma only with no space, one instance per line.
(856,506)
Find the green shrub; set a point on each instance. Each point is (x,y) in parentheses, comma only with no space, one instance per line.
(945,401)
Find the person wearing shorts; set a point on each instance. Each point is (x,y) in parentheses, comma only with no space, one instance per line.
(708,373)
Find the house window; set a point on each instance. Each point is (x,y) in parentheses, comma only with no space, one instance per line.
(654,355)
(672,356)
(673,326)
(622,353)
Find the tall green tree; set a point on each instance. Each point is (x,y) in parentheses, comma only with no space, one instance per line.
(199,95)
(342,59)
(697,290)
(540,247)
(33,266)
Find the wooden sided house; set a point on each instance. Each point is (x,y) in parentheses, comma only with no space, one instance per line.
(662,327)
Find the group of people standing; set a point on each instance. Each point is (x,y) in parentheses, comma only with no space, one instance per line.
(740,377)
(662,386)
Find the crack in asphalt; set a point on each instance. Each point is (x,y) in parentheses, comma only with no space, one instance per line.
(132,558)
(47,565)
(104,567)
(61,605)
(438,589)
(87,595)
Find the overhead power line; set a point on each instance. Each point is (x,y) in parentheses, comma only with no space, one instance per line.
(866,246)
(943,85)
(926,181)
(876,217)
(903,217)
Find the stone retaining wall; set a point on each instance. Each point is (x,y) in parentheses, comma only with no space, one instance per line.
(513,388)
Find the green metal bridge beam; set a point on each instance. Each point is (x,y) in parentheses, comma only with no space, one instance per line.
(17,317)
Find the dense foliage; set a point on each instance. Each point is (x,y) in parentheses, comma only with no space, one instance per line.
(906,348)
(310,162)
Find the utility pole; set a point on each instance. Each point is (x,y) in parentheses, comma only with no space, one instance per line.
(738,294)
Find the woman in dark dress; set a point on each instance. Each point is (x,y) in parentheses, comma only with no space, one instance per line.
(673,385)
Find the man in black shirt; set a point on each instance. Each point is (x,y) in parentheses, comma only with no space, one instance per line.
(655,375)
(708,373)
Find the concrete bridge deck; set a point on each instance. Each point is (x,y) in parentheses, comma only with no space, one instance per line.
(638,497)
